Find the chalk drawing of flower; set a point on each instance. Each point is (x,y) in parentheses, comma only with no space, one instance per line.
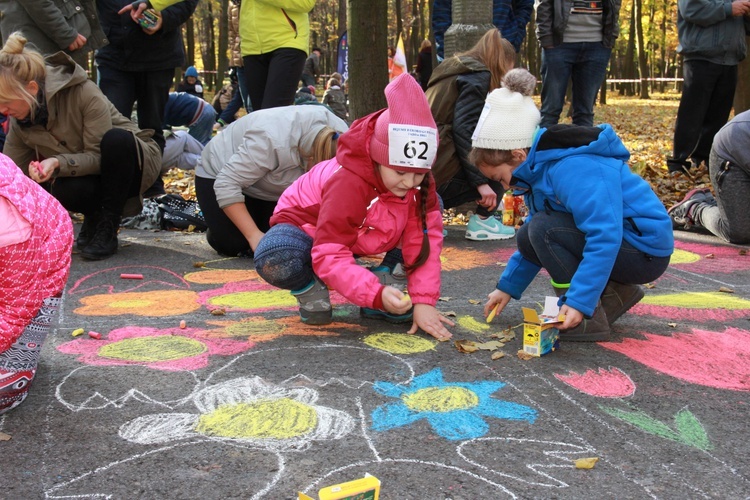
(257,329)
(711,359)
(612,383)
(694,306)
(249,411)
(456,259)
(253,297)
(171,349)
(157,303)
(221,276)
(455,410)
(708,259)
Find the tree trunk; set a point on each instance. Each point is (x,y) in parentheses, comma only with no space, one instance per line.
(368,55)
(208,47)
(470,20)
(190,41)
(223,60)
(742,94)
(642,63)
(628,65)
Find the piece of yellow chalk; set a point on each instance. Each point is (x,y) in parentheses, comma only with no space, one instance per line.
(405,298)
(77,332)
(492,313)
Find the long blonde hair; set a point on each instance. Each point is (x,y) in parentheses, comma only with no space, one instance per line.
(19,66)
(323,146)
(495,52)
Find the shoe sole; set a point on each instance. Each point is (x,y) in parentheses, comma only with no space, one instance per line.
(685,199)
(486,236)
(89,256)
(318,318)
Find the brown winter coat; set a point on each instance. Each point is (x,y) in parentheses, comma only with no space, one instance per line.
(79,115)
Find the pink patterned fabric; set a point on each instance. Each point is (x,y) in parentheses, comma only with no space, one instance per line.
(37,268)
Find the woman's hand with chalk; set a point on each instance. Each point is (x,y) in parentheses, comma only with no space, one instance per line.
(497,300)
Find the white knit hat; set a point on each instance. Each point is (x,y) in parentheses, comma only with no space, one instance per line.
(508,121)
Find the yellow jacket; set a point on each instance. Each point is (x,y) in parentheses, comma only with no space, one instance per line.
(267,25)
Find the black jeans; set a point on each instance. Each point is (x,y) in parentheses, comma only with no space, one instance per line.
(149,88)
(272,78)
(120,178)
(707,94)
(222,234)
(458,191)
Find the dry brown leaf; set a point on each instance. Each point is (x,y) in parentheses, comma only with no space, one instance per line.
(709,256)
(649,285)
(4,436)
(672,325)
(466,346)
(218,312)
(726,289)
(199,264)
(452,314)
(523,355)
(445,299)
(492,345)
(474,301)
(497,355)
(743,251)
(586,463)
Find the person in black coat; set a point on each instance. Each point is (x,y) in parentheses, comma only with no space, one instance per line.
(424,63)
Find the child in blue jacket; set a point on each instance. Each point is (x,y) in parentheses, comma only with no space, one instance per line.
(596,227)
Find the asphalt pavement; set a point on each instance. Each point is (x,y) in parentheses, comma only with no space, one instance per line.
(205,384)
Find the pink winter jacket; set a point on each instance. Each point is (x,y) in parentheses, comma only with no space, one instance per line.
(343,204)
(36,268)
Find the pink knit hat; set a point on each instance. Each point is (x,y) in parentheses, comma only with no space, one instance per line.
(405,136)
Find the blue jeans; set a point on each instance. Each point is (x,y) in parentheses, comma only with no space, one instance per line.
(586,63)
(202,128)
(553,241)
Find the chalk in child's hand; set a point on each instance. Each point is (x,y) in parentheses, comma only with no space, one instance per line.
(405,298)
(492,313)
(95,335)
(77,332)
(126,276)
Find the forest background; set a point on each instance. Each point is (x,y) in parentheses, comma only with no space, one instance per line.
(639,98)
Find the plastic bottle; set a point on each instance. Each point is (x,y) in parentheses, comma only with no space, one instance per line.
(508,208)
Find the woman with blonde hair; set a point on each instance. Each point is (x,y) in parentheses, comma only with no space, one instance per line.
(456,93)
(244,170)
(65,133)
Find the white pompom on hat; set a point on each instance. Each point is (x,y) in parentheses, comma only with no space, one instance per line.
(405,136)
(508,121)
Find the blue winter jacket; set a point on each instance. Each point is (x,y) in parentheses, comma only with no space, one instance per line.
(583,171)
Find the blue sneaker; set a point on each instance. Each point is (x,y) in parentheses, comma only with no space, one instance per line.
(487,229)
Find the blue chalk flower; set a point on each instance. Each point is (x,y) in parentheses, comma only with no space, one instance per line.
(454,410)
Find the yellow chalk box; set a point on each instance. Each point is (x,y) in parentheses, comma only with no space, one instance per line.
(367,488)
(540,333)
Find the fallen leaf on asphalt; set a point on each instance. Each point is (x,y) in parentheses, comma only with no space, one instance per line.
(726,289)
(199,264)
(673,325)
(218,312)
(523,355)
(4,436)
(445,299)
(649,285)
(586,463)
(466,346)
(743,251)
(452,314)
(709,256)
(492,345)
(473,301)
(497,355)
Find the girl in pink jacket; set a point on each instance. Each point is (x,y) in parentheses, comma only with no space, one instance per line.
(376,196)
(36,237)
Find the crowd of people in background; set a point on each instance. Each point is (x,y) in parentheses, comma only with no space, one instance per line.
(272,180)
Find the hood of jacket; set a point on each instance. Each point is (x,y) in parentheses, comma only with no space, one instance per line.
(62,72)
(455,66)
(353,157)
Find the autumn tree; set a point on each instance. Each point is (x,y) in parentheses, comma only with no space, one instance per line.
(368,55)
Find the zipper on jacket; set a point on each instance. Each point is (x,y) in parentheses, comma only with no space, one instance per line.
(291,22)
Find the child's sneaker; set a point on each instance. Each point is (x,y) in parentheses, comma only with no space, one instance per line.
(314,303)
(682,214)
(366,312)
(487,229)
(395,278)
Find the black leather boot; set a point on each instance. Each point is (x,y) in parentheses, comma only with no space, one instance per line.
(88,228)
(104,242)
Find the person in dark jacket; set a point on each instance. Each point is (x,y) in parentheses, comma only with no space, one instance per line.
(510,17)
(424,63)
(187,110)
(456,94)
(577,40)
(53,25)
(191,84)
(138,64)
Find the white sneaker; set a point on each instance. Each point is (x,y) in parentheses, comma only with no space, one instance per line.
(487,229)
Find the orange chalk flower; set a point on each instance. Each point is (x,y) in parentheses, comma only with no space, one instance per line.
(157,303)
(257,329)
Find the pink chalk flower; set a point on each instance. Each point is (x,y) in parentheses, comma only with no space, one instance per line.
(711,359)
(612,383)
(171,349)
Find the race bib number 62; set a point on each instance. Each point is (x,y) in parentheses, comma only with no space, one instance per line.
(411,146)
